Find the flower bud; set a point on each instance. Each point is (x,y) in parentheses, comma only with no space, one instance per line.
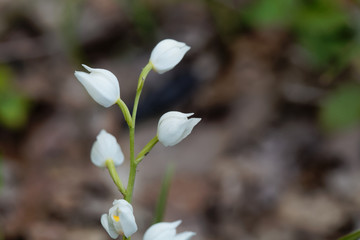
(166,231)
(106,148)
(120,220)
(175,126)
(101,84)
(167,54)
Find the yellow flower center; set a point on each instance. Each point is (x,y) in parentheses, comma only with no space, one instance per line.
(116,218)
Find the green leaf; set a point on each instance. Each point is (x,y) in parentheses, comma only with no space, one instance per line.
(265,13)
(323,28)
(14,106)
(161,204)
(320,16)
(13,110)
(5,76)
(228,21)
(352,236)
(143,18)
(341,109)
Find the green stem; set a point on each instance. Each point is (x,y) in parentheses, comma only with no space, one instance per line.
(133,164)
(146,149)
(115,177)
(141,81)
(131,181)
(125,111)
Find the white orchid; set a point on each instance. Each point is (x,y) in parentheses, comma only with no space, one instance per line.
(120,220)
(175,126)
(106,148)
(167,54)
(101,84)
(166,231)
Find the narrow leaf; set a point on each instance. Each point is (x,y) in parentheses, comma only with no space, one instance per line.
(352,236)
(161,204)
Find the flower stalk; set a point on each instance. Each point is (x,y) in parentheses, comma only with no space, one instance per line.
(125,111)
(146,149)
(115,177)
(133,164)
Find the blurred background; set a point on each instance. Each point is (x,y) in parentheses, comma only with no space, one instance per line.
(276,83)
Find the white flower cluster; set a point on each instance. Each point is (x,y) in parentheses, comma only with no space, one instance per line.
(173,127)
(103,86)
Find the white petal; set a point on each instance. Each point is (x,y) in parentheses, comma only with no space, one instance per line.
(167,54)
(170,132)
(98,90)
(174,126)
(166,235)
(107,77)
(111,147)
(184,236)
(121,203)
(170,59)
(162,231)
(104,148)
(101,84)
(174,114)
(163,46)
(97,155)
(189,125)
(127,221)
(108,227)
(106,73)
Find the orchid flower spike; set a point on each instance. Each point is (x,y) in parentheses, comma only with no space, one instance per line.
(174,126)
(106,148)
(101,84)
(167,54)
(120,220)
(166,231)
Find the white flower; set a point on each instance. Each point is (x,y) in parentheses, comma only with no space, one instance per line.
(167,54)
(166,231)
(106,148)
(101,84)
(175,126)
(120,220)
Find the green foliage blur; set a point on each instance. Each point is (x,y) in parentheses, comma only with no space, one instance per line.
(68,29)
(330,36)
(143,20)
(324,28)
(341,109)
(14,106)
